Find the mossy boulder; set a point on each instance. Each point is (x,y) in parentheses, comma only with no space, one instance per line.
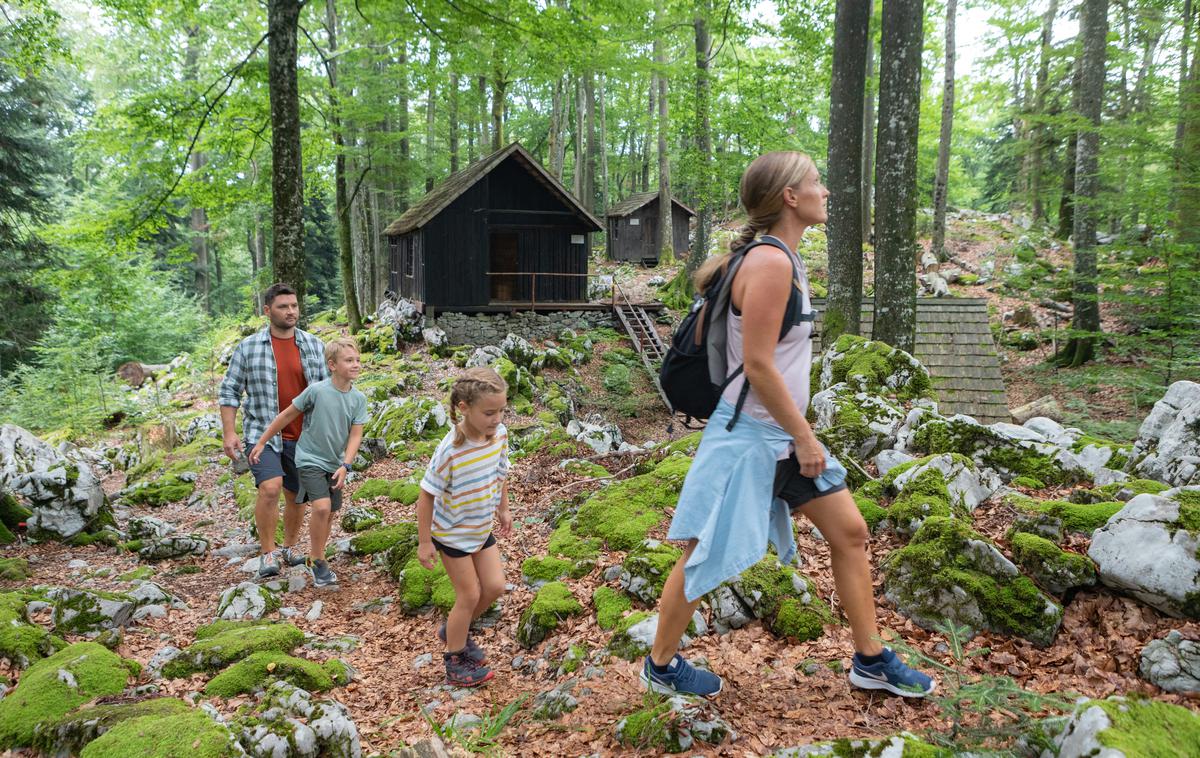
(224,642)
(420,587)
(286,715)
(194,733)
(1118,491)
(610,606)
(22,643)
(633,635)
(922,497)
(1131,727)
(69,734)
(786,600)
(54,686)
(645,570)
(256,671)
(247,600)
(403,491)
(869,509)
(14,569)
(161,491)
(359,518)
(673,725)
(1054,569)
(854,425)
(1009,456)
(584,468)
(902,745)
(622,514)
(79,611)
(538,571)
(408,419)
(383,538)
(874,368)
(967,483)
(553,603)
(569,556)
(1082,518)
(12,515)
(948,571)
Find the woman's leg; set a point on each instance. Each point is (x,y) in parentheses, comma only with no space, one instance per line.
(491,579)
(844,530)
(674,612)
(466,597)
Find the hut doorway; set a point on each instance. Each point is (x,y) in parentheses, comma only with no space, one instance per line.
(502,257)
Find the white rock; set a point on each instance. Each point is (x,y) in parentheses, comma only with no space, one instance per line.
(314,612)
(889,459)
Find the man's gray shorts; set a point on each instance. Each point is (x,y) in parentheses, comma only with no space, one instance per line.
(317,484)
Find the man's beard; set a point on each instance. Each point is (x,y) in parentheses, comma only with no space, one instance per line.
(283,324)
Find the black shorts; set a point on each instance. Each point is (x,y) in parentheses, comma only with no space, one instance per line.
(317,484)
(452,552)
(795,488)
(272,464)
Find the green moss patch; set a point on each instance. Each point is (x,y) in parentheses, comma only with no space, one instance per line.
(646,568)
(553,603)
(141,572)
(1083,518)
(623,513)
(958,435)
(1120,453)
(546,569)
(875,368)
(1149,728)
(193,734)
(610,606)
(403,491)
(408,420)
(12,513)
(621,644)
(785,599)
(870,509)
(922,497)
(52,687)
(1050,566)
(14,569)
(221,643)
(419,587)
(69,734)
(383,538)
(257,670)
(22,643)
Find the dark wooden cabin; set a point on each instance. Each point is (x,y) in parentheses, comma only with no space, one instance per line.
(496,236)
(633,228)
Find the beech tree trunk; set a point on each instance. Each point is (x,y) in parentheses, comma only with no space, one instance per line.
(1086,323)
(603,179)
(942,175)
(198,223)
(590,155)
(868,131)
(1038,144)
(852,23)
(703,41)
(499,92)
(895,319)
(1066,201)
(1188,194)
(341,199)
(453,116)
(287,175)
(556,137)
(431,117)
(666,248)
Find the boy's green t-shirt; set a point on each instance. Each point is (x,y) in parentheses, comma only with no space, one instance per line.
(329,414)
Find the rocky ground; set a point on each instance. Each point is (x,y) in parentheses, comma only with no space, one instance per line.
(1046,546)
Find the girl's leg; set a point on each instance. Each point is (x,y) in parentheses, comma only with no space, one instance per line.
(844,529)
(466,596)
(318,527)
(674,612)
(490,574)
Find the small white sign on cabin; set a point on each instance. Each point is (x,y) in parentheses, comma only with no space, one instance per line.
(578,239)
(635,221)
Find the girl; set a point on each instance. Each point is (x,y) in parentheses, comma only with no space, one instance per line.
(727,512)
(462,492)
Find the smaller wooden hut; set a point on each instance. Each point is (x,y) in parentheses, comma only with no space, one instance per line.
(633,228)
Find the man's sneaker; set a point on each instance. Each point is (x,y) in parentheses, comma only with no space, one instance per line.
(290,556)
(268,565)
(890,674)
(461,671)
(680,676)
(322,575)
(471,650)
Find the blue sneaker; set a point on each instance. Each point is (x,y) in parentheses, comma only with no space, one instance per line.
(680,676)
(891,674)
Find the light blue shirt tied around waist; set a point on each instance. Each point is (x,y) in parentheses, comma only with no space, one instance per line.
(726,503)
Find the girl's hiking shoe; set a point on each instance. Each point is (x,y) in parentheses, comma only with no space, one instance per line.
(472,651)
(461,671)
(891,674)
(322,575)
(679,676)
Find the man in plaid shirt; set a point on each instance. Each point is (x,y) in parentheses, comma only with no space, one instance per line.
(270,368)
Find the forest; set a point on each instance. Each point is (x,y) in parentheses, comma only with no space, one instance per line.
(1034,163)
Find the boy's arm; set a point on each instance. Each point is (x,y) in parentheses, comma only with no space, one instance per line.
(355,439)
(425,551)
(285,417)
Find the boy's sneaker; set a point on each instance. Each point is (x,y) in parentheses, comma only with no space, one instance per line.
(290,556)
(680,676)
(322,575)
(268,566)
(461,671)
(471,650)
(891,674)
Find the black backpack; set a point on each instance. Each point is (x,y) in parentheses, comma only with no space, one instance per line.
(685,375)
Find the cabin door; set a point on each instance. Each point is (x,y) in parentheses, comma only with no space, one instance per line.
(649,238)
(502,257)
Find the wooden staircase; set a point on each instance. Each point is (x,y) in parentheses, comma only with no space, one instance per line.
(646,341)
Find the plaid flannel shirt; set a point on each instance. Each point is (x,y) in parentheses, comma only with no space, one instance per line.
(252,372)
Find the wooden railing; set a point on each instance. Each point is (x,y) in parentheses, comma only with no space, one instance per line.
(533,286)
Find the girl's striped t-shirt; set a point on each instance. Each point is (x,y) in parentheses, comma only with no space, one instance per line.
(466,481)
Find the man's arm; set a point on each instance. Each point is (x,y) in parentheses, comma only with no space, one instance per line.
(230,397)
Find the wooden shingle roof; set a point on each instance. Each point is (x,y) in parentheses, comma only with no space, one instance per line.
(459,182)
(639,200)
(954,341)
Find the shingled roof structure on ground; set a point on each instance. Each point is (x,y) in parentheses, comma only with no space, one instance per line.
(954,342)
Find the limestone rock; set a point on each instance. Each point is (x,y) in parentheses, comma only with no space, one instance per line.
(61,489)
(84,612)
(675,725)
(1168,443)
(174,546)
(246,601)
(289,722)
(554,702)
(148,527)
(968,484)
(598,434)
(1172,663)
(855,424)
(1046,407)
(1100,728)
(484,356)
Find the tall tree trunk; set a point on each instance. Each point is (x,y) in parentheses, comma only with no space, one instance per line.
(895,320)
(1185,76)
(649,132)
(482,103)
(603,178)
(868,132)
(852,23)
(579,176)
(198,224)
(1039,107)
(1093,29)
(557,129)
(341,200)
(591,158)
(499,92)
(287,175)
(703,139)
(402,124)
(431,117)
(666,246)
(942,176)
(1188,175)
(453,116)
(1066,201)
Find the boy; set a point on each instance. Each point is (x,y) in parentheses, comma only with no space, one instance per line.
(334,414)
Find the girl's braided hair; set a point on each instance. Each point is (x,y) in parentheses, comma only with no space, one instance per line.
(468,388)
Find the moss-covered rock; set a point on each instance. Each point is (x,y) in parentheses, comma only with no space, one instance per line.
(79,611)
(69,734)
(1053,568)
(1010,457)
(854,425)
(403,491)
(22,643)
(903,745)
(224,642)
(258,670)
(922,497)
(14,569)
(633,635)
(383,538)
(419,586)
(537,571)
(54,686)
(358,518)
(610,606)
(161,491)
(1083,518)
(786,600)
(1131,727)
(673,725)
(948,571)
(553,603)
(589,469)
(874,368)
(1118,491)
(406,420)
(12,514)
(870,510)
(1117,453)
(645,570)
(623,513)
(194,734)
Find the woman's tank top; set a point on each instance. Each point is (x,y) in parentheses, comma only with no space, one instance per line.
(793,356)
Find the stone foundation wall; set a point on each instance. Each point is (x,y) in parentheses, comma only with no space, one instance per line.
(489,329)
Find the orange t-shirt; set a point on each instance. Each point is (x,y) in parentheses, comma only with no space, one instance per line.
(290,379)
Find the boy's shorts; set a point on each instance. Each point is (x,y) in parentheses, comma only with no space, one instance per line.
(273,463)
(795,488)
(317,484)
(453,552)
